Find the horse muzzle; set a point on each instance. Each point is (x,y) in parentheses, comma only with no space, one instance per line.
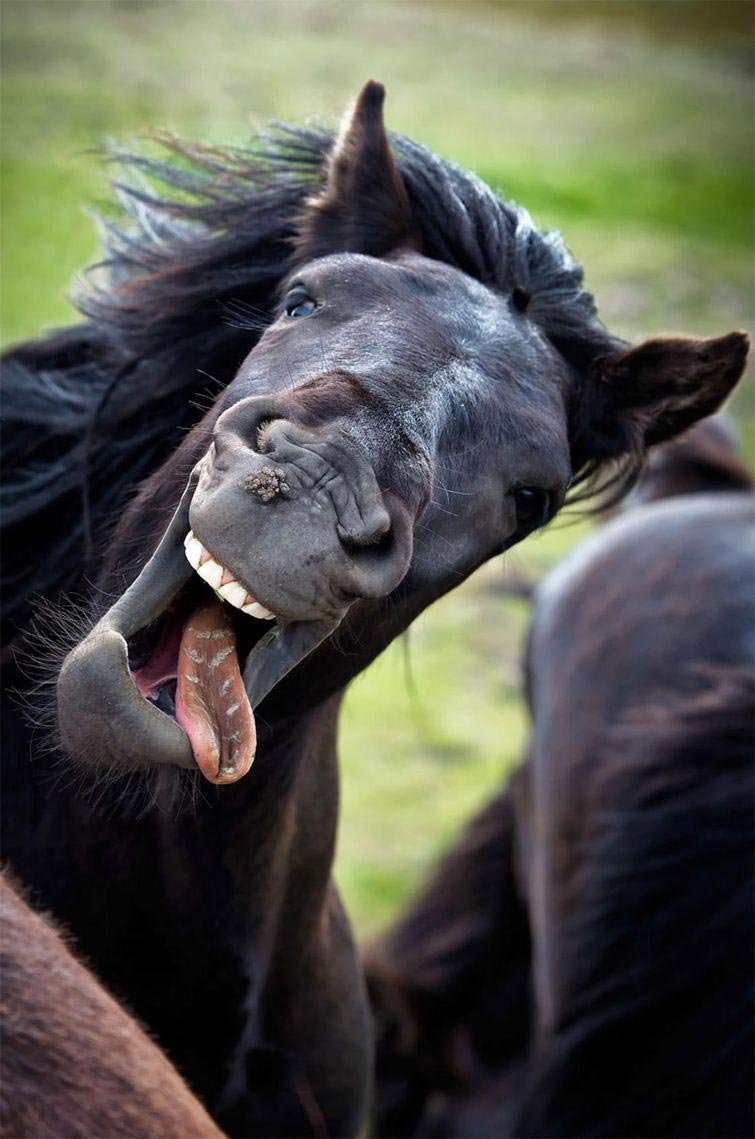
(259,564)
(295,514)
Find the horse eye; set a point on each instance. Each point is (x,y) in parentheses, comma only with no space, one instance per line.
(300,306)
(531,506)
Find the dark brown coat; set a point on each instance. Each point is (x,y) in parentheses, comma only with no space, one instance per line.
(75,1065)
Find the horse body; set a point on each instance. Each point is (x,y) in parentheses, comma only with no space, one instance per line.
(421,345)
(586,949)
(702,461)
(74,1062)
(690,619)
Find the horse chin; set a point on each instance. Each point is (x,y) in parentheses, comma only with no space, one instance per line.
(172,673)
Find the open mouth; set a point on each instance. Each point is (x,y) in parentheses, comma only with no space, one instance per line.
(188,664)
(174,670)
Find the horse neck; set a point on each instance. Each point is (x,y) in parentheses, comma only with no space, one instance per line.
(271,837)
(278,824)
(266,844)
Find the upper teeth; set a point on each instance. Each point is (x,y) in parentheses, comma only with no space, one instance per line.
(213,572)
(233,593)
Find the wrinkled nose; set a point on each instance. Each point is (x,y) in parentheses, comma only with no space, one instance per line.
(307,459)
(295,509)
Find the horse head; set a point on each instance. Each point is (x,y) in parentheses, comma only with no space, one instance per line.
(408,412)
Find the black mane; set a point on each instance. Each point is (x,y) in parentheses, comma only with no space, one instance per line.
(186,284)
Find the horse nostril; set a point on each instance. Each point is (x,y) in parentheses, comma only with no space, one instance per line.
(261,433)
(370,541)
(378,543)
(247,426)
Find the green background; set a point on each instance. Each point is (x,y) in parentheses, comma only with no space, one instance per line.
(626,125)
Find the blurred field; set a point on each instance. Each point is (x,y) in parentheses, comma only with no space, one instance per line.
(627,126)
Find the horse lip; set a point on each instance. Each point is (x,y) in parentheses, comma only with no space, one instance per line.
(279,651)
(166,572)
(102,718)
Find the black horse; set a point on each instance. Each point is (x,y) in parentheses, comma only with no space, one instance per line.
(411,378)
(580,963)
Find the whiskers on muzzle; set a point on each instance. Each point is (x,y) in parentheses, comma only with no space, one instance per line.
(54,631)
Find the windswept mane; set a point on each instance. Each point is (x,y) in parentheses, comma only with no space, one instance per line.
(186,284)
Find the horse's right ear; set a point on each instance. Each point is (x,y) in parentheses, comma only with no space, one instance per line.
(362,205)
(651,392)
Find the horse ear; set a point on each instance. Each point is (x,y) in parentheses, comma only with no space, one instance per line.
(652,392)
(362,205)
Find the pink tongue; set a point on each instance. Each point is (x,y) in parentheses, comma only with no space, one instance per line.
(212,706)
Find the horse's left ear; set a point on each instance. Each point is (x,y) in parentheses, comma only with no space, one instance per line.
(362,205)
(652,392)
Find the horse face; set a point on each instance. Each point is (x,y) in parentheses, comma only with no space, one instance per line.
(389,399)
(384,393)
(397,424)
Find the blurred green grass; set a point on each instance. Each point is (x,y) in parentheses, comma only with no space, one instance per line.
(627,126)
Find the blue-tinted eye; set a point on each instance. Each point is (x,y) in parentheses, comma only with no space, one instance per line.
(300,306)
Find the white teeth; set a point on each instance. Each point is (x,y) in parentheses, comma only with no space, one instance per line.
(212,573)
(193,551)
(234,594)
(254,609)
